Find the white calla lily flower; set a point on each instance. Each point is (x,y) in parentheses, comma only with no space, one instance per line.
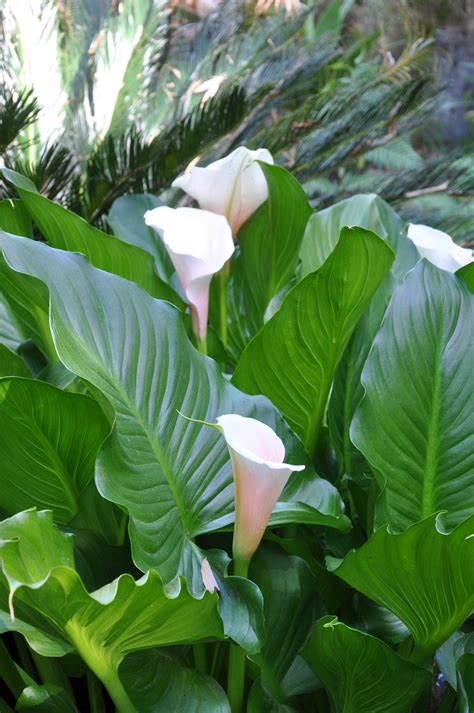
(234,186)
(199,244)
(260,475)
(439,248)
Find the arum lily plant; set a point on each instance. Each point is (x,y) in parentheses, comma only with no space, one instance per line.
(312,552)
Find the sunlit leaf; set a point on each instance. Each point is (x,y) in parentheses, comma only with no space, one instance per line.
(293,358)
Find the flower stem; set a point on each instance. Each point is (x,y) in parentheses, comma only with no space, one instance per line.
(200,660)
(223,305)
(202,345)
(236,673)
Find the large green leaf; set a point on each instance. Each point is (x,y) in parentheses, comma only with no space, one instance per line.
(68,231)
(293,358)
(422,575)
(372,213)
(347,390)
(11,363)
(414,425)
(14,218)
(269,245)
(121,617)
(158,684)
(366,211)
(171,475)
(126,218)
(291,605)
(360,673)
(49,440)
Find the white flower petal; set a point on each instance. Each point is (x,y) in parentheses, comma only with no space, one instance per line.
(199,244)
(234,186)
(439,248)
(260,475)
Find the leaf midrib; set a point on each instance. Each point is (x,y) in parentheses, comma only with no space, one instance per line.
(432,438)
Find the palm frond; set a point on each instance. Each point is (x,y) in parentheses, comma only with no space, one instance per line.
(17,113)
(53,170)
(30,58)
(128,163)
(122,58)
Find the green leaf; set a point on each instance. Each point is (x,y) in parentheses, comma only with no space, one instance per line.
(126,218)
(68,231)
(157,683)
(291,605)
(171,475)
(425,577)
(456,661)
(366,211)
(380,622)
(11,363)
(10,330)
(269,245)
(466,273)
(41,638)
(26,300)
(414,425)
(360,673)
(49,440)
(347,390)
(45,699)
(100,516)
(14,218)
(293,358)
(121,617)
(371,212)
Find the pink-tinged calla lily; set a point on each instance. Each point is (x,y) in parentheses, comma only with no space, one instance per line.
(234,186)
(260,475)
(439,248)
(199,244)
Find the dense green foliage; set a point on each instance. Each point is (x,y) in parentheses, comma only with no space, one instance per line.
(359,597)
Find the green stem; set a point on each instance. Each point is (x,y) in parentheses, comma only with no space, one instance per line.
(202,345)
(200,660)
(223,305)
(117,692)
(104,667)
(236,673)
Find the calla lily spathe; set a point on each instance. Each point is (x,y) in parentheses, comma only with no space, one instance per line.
(260,475)
(439,248)
(234,186)
(199,244)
